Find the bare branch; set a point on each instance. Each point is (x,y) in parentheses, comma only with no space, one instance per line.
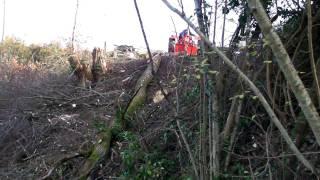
(224,22)
(74,26)
(143,32)
(188,149)
(215,21)
(3,19)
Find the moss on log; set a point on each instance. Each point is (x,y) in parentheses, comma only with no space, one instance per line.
(99,151)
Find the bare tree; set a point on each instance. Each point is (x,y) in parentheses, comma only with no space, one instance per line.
(3,19)
(224,22)
(74,26)
(215,21)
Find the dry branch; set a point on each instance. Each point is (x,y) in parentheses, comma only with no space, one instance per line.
(193,162)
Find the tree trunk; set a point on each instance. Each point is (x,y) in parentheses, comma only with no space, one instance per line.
(74,26)
(224,22)
(141,86)
(215,21)
(3,19)
(197,4)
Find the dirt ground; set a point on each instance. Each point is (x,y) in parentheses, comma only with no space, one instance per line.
(43,123)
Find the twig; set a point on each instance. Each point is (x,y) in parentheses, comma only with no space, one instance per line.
(297,31)
(271,157)
(188,149)
(251,171)
(174,26)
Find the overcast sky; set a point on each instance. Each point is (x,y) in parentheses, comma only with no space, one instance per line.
(113,21)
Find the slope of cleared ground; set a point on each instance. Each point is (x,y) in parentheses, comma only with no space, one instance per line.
(50,122)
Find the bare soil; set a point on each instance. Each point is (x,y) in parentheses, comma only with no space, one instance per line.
(52,120)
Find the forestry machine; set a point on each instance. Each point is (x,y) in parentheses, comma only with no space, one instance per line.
(185,43)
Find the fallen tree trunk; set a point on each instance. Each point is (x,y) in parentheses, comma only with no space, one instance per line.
(103,145)
(141,86)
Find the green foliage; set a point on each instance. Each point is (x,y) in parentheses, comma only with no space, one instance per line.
(50,56)
(100,126)
(141,165)
(192,95)
(186,177)
(244,122)
(237,169)
(242,4)
(13,48)
(290,23)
